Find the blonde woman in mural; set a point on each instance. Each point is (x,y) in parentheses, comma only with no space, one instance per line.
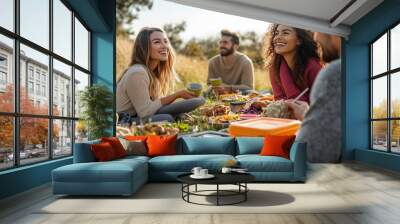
(144,89)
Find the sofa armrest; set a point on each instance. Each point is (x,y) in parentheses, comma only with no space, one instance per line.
(298,155)
(83,152)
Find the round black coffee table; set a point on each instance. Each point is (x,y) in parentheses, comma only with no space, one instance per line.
(238,179)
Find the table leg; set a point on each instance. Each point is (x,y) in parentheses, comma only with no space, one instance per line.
(245,193)
(217,194)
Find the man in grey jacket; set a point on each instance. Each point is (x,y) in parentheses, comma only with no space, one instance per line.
(321,126)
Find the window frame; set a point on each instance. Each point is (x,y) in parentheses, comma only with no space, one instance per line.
(388,74)
(16,114)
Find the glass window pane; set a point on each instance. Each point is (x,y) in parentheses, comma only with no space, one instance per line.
(395,47)
(395,94)
(62,89)
(81,131)
(379,55)
(33,140)
(7,14)
(6,74)
(62,29)
(6,142)
(379,135)
(35,21)
(81,81)
(379,97)
(62,138)
(395,138)
(34,72)
(81,45)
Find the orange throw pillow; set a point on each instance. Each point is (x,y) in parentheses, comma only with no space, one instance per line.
(161,145)
(103,152)
(116,145)
(275,145)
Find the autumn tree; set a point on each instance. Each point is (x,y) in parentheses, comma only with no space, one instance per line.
(33,131)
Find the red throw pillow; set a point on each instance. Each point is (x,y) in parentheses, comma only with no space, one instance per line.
(161,145)
(103,152)
(116,145)
(277,145)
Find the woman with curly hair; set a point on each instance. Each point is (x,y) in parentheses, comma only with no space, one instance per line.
(291,56)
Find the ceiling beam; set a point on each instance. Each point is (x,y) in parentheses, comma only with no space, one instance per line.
(267,15)
(346,12)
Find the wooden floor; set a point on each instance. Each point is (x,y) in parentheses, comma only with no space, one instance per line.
(377,188)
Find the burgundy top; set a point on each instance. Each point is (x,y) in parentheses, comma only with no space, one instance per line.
(288,89)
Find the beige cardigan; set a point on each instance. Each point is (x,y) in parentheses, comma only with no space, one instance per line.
(133,94)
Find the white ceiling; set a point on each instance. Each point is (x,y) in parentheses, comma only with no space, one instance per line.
(316,15)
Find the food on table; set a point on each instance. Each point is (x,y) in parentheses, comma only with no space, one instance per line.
(267,98)
(254,108)
(195,88)
(253,95)
(216,82)
(277,109)
(225,118)
(214,110)
(231,96)
(237,106)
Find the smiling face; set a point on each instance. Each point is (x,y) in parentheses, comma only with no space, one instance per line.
(159,46)
(226,46)
(285,40)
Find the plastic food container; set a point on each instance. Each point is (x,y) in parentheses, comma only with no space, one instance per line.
(259,127)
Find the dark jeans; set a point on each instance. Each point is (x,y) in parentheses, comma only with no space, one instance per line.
(165,113)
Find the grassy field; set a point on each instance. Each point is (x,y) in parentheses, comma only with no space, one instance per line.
(188,69)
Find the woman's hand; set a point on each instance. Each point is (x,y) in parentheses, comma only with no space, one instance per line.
(184,94)
(299,108)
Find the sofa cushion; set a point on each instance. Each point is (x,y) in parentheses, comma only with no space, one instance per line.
(161,145)
(134,147)
(116,145)
(103,152)
(249,145)
(257,163)
(275,145)
(185,163)
(207,145)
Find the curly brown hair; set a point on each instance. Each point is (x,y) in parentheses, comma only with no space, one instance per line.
(307,49)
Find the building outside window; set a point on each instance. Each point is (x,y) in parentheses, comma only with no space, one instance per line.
(43,90)
(30,72)
(3,71)
(30,87)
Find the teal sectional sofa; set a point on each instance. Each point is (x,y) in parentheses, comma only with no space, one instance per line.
(125,176)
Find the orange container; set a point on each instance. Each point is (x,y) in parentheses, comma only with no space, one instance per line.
(259,127)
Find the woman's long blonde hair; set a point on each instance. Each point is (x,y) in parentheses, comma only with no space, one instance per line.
(162,78)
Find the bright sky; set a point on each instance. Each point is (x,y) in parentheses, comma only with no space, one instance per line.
(199,22)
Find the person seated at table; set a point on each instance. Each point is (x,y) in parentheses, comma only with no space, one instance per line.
(235,69)
(143,91)
(291,56)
